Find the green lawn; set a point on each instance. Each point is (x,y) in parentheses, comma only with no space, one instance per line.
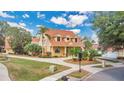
(28,70)
(78,74)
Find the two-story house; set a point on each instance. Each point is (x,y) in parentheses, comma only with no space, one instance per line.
(59,42)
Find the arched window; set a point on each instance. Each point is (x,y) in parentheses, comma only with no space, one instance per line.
(57,50)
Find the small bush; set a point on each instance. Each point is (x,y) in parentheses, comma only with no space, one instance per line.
(48,54)
(33,49)
(93,53)
(74,59)
(85,55)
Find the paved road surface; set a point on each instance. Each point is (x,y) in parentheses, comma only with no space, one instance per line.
(114,74)
(4,73)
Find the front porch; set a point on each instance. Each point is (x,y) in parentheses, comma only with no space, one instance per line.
(60,51)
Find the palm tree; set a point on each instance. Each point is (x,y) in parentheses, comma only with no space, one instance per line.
(42,30)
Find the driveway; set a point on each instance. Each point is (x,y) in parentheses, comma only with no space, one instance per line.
(4,76)
(113,74)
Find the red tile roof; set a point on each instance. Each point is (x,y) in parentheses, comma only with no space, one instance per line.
(35,40)
(53,33)
(63,33)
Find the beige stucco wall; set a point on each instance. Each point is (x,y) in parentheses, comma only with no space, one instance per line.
(62,51)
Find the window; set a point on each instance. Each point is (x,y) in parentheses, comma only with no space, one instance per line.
(67,38)
(58,38)
(57,50)
(75,39)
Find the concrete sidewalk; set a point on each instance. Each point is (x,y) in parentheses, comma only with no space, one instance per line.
(4,76)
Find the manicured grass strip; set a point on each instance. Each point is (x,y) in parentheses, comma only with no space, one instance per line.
(78,74)
(28,70)
(100,66)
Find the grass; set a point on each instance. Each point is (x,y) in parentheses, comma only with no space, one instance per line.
(83,62)
(100,66)
(78,74)
(28,70)
(2,58)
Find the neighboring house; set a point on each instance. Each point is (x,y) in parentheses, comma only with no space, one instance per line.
(59,42)
(8,48)
(96,46)
(120,53)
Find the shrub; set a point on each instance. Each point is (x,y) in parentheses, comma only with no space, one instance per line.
(93,53)
(48,54)
(85,54)
(74,51)
(33,49)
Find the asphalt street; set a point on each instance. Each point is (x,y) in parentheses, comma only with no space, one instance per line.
(114,74)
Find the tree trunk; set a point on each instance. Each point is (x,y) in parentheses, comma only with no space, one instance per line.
(42,44)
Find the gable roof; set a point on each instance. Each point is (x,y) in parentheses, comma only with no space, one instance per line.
(63,33)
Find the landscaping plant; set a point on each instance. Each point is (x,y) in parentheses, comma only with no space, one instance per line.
(86,55)
(93,53)
(33,49)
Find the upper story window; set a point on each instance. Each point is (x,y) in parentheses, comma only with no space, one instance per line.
(58,38)
(67,38)
(75,39)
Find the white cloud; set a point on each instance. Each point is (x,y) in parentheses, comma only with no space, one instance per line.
(22,24)
(30,30)
(39,15)
(4,14)
(38,25)
(13,24)
(64,15)
(76,31)
(95,37)
(59,20)
(75,20)
(25,16)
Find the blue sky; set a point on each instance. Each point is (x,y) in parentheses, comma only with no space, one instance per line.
(77,21)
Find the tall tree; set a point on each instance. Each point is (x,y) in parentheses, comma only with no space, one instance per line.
(110,28)
(87,43)
(42,30)
(18,38)
(3,30)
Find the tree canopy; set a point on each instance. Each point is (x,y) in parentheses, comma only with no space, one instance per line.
(3,30)
(87,43)
(110,26)
(18,38)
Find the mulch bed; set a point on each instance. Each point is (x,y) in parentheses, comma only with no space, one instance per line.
(83,62)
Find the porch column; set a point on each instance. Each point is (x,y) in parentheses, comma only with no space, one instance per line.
(51,49)
(65,52)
